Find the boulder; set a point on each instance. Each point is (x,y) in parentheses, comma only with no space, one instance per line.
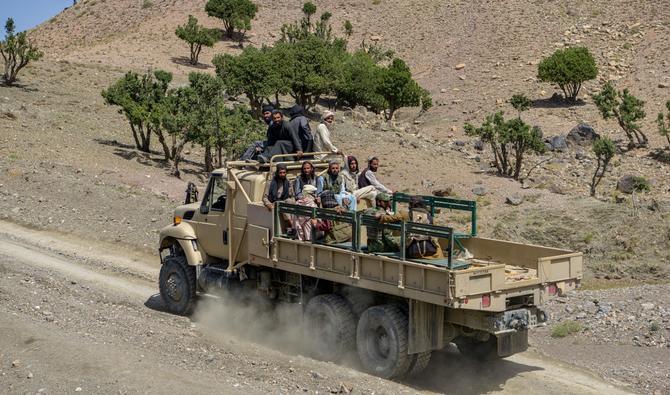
(556,143)
(582,134)
(479,190)
(514,200)
(626,184)
(479,145)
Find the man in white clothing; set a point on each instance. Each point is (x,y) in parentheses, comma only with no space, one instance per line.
(322,142)
(368,177)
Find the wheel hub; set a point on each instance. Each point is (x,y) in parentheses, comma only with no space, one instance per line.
(174,287)
(383,342)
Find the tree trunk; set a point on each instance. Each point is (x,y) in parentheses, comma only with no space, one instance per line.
(176,160)
(137,140)
(594,183)
(209,167)
(167,151)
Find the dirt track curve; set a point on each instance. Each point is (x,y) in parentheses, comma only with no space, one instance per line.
(86,318)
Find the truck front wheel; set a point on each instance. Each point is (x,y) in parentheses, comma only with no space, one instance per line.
(381,340)
(177,285)
(330,327)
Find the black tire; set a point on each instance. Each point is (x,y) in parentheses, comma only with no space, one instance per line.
(419,363)
(177,284)
(381,340)
(359,299)
(330,327)
(477,349)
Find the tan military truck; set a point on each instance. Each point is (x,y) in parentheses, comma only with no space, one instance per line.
(393,311)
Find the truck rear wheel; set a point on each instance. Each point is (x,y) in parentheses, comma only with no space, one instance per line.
(381,340)
(177,285)
(330,326)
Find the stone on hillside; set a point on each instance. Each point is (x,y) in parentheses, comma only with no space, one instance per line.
(514,200)
(479,190)
(557,189)
(580,155)
(582,134)
(556,143)
(459,143)
(459,66)
(647,306)
(664,85)
(444,192)
(626,184)
(479,145)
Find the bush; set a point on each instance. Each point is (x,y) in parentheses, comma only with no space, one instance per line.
(663,127)
(256,73)
(196,36)
(640,184)
(235,14)
(398,89)
(604,149)
(626,108)
(140,98)
(568,68)
(358,81)
(509,140)
(520,103)
(17,51)
(566,328)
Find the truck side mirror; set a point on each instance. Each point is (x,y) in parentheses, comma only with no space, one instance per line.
(204,209)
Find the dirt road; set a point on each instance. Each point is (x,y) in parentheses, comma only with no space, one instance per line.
(76,317)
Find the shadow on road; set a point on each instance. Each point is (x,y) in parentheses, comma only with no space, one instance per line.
(449,372)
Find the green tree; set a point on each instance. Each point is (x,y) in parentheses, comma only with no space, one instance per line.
(235,14)
(521,103)
(663,126)
(604,149)
(256,73)
(509,140)
(357,82)
(627,109)
(312,64)
(348,29)
(399,90)
(17,51)
(140,99)
(196,36)
(568,68)
(309,9)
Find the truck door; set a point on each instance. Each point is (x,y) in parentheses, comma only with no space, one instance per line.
(213,224)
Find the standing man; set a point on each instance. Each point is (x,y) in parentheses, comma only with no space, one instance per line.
(281,139)
(300,124)
(368,177)
(322,141)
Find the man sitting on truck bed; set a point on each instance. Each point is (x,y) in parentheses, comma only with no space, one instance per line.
(281,139)
(333,232)
(334,182)
(382,240)
(278,189)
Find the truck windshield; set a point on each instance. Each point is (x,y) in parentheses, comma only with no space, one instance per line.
(216,194)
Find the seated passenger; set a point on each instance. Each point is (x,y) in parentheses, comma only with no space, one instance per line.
(333,232)
(301,224)
(350,175)
(368,177)
(307,177)
(281,139)
(382,240)
(278,189)
(300,123)
(334,182)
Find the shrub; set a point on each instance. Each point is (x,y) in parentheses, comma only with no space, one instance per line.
(398,89)
(235,14)
(568,68)
(358,81)
(521,103)
(663,127)
(196,36)
(509,140)
(640,184)
(17,51)
(140,98)
(566,328)
(627,109)
(256,73)
(604,149)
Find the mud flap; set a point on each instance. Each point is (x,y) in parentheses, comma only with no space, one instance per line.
(426,327)
(512,343)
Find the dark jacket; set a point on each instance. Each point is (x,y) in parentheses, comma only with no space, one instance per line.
(285,132)
(363,180)
(300,123)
